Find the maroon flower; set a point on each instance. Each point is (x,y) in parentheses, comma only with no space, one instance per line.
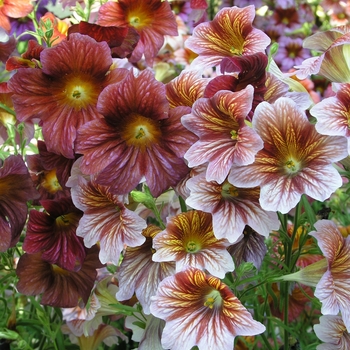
(16,188)
(64,93)
(53,234)
(139,137)
(59,287)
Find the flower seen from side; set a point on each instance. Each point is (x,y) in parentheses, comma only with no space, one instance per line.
(59,287)
(189,240)
(333,115)
(295,160)
(53,233)
(200,310)
(139,274)
(16,188)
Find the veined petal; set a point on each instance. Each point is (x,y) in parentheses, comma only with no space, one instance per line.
(139,274)
(106,220)
(200,310)
(189,241)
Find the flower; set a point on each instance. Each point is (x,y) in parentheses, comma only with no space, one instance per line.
(16,188)
(151,18)
(332,331)
(189,241)
(63,94)
(200,310)
(59,287)
(232,208)
(250,248)
(295,159)
(332,114)
(334,286)
(14,9)
(53,233)
(139,274)
(229,34)
(224,138)
(332,63)
(106,220)
(138,137)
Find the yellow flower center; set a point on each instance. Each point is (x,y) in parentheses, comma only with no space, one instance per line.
(228,190)
(234,134)
(213,299)
(59,271)
(140,131)
(291,166)
(192,247)
(140,17)
(80,91)
(49,181)
(235,51)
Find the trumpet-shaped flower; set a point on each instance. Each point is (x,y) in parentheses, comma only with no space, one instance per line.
(229,34)
(53,233)
(295,159)
(200,310)
(139,137)
(334,45)
(189,241)
(333,114)
(63,94)
(106,220)
(224,138)
(332,331)
(232,208)
(152,19)
(16,188)
(139,274)
(59,287)
(334,286)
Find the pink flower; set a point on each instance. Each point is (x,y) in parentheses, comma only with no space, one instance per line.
(332,331)
(332,63)
(232,208)
(295,159)
(229,34)
(333,289)
(106,220)
(224,137)
(332,114)
(139,274)
(189,241)
(200,310)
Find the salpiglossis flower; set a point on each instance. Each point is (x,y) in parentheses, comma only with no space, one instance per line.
(224,137)
(16,188)
(229,34)
(295,159)
(151,18)
(138,137)
(189,241)
(200,310)
(63,93)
